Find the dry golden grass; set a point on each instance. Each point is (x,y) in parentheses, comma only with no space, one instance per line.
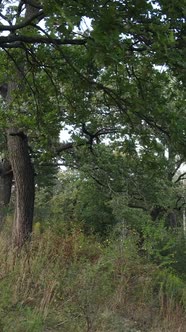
(73,283)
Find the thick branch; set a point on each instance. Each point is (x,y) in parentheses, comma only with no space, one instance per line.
(11,40)
(136,206)
(23,24)
(64,147)
(33,4)
(70,145)
(95,136)
(106,131)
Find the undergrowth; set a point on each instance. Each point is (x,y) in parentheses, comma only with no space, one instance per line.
(72,282)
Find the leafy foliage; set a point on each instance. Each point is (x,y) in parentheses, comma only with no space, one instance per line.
(119,83)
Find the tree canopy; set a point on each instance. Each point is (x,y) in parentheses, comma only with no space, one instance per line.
(111,69)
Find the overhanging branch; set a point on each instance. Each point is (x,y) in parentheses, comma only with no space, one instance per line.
(23,24)
(64,147)
(10,40)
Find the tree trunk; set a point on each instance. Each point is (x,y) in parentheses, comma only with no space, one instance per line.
(6,177)
(157,212)
(24,184)
(18,150)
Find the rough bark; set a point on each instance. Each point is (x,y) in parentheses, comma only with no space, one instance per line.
(19,157)
(6,177)
(24,183)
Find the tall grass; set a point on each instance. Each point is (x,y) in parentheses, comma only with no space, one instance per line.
(72,282)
